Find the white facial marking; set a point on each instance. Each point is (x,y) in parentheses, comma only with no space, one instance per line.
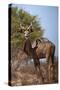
(26,33)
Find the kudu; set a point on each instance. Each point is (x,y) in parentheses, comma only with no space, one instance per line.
(43,49)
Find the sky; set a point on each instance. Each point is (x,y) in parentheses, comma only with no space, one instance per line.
(48,18)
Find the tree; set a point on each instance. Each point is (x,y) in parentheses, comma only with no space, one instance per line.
(19,16)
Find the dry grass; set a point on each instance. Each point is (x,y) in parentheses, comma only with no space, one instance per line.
(24,74)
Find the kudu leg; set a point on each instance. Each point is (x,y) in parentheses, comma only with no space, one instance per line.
(50,69)
(51,73)
(38,70)
(37,65)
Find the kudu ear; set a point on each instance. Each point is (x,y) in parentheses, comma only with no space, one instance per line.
(21,29)
(30,28)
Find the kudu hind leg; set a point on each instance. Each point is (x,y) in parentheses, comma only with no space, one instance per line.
(52,68)
(52,65)
(48,66)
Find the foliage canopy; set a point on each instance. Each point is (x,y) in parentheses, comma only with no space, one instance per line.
(19,16)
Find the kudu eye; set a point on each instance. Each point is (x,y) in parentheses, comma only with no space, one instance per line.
(21,30)
(31,30)
(27,29)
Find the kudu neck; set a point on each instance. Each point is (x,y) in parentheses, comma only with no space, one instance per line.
(28,47)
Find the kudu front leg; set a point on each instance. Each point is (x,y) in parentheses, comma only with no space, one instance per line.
(39,71)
